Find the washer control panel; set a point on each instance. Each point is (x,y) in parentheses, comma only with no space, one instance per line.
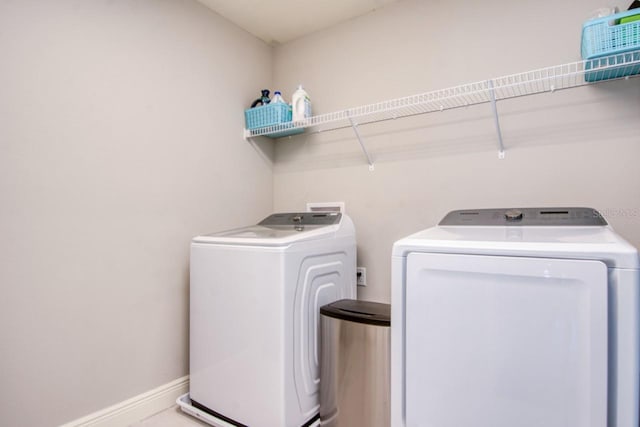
(525,217)
(298,219)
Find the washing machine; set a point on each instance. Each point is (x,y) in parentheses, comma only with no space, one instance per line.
(255,295)
(518,317)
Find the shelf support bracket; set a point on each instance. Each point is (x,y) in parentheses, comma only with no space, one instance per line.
(496,120)
(354,125)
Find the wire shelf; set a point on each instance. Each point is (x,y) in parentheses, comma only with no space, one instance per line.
(548,79)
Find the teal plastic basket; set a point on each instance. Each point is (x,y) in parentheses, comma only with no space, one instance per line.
(607,37)
(269,115)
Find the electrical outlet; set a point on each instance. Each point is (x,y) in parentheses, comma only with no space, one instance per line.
(361,276)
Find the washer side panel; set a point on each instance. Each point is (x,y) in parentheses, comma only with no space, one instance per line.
(236,334)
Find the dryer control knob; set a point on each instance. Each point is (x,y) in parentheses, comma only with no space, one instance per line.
(513,215)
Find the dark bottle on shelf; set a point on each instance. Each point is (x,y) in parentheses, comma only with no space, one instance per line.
(263,100)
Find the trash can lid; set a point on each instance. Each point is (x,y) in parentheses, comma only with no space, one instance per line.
(372,313)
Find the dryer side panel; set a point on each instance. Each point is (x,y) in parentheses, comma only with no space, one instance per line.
(398,282)
(505,341)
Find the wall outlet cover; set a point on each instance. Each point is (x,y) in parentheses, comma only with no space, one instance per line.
(361,276)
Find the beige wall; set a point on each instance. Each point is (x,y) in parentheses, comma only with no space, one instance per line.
(579,147)
(120,139)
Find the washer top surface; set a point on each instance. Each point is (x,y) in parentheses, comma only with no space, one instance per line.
(575,233)
(280,229)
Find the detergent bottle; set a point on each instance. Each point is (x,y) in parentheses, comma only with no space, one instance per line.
(300,104)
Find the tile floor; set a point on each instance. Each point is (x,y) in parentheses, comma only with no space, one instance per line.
(172,417)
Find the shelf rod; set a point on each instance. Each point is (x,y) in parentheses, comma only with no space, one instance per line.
(354,125)
(494,107)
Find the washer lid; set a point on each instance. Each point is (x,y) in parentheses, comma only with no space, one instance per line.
(279,229)
(572,240)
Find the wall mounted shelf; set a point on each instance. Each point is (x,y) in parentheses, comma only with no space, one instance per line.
(548,79)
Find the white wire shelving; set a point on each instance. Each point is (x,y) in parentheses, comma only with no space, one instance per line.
(543,80)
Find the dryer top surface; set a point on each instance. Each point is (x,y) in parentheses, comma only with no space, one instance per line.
(560,238)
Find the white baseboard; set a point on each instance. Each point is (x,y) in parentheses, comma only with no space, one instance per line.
(137,408)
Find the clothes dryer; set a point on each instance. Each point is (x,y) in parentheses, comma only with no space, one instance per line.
(255,295)
(519,317)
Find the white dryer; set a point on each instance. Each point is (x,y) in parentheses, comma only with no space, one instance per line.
(255,297)
(522,317)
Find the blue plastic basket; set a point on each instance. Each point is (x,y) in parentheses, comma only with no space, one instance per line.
(606,37)
(269,115)
(601,38)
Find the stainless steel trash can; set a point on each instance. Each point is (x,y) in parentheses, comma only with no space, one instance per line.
(354,364)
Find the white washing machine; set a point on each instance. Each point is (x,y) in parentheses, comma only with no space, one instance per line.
(524,317)
(255,297)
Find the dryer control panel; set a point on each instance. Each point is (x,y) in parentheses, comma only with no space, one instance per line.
(525,217)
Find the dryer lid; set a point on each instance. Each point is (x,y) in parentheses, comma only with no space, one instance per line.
(279,229)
